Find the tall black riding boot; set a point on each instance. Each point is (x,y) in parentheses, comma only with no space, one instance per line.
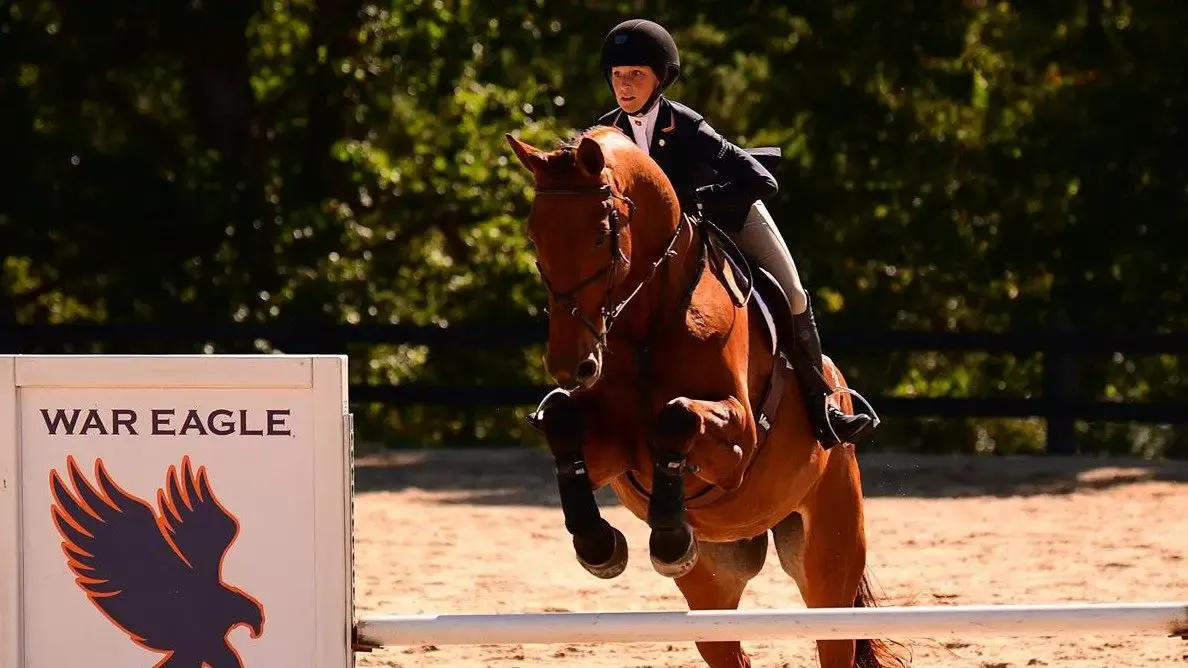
(831,425)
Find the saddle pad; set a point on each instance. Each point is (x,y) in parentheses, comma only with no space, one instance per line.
(757,299)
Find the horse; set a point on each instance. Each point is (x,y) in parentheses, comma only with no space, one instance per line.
(674,390)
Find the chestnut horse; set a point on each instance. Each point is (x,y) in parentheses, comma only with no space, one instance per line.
(674,390)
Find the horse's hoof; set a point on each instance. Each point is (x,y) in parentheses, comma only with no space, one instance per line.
(665,543)
(613,566)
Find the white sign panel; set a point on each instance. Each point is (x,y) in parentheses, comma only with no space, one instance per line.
(191,510)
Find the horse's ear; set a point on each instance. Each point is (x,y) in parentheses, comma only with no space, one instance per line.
(528,155)
(589,157)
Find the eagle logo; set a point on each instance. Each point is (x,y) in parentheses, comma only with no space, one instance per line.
(157,575)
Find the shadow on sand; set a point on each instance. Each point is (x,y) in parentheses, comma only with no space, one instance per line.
(524,477)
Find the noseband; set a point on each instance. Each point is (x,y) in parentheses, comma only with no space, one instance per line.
(609,312)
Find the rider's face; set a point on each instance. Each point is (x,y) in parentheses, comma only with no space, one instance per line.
(633,86)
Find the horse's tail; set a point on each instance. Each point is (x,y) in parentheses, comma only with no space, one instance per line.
(876,653)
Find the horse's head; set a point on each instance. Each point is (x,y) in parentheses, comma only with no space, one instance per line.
(587,196)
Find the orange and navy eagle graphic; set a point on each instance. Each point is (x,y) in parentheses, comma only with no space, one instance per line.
(156,574)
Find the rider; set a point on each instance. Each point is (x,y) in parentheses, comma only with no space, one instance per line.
(723,182)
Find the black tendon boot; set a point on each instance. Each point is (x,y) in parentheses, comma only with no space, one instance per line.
(600,548)
(830,424)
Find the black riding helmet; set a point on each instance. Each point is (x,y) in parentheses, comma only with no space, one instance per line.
(642,42)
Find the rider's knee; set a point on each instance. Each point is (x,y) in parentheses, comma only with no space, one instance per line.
(798,298)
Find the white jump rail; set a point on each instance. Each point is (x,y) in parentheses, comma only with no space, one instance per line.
(1166,619)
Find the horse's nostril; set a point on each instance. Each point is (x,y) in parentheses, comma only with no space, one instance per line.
(586,369)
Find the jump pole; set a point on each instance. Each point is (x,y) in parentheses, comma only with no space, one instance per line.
(1165,619)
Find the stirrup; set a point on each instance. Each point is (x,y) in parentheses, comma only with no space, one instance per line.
(854,427)
(827,430)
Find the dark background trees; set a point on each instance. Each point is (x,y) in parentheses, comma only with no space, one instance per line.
(976,166)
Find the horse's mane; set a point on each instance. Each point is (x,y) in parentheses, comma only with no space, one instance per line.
(593,132)
(619,150)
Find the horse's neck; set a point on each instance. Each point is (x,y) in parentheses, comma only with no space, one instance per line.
(672,295)
(652,327)
(661,300)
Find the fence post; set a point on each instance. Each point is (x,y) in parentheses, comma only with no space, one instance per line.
(1059,385)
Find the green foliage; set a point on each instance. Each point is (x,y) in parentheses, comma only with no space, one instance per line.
(950,166)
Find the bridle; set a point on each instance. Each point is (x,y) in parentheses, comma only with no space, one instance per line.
(659,317)
(609,312)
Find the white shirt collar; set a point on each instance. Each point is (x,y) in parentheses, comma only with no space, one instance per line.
(643,126)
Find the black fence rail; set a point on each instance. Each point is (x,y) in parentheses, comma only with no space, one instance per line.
(1058,404)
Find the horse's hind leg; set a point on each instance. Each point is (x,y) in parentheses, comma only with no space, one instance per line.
(823,548)
(788,538)
(600,548)
(717,582)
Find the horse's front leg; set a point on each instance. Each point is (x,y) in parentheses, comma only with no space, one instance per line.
(566,424)
(715,428)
